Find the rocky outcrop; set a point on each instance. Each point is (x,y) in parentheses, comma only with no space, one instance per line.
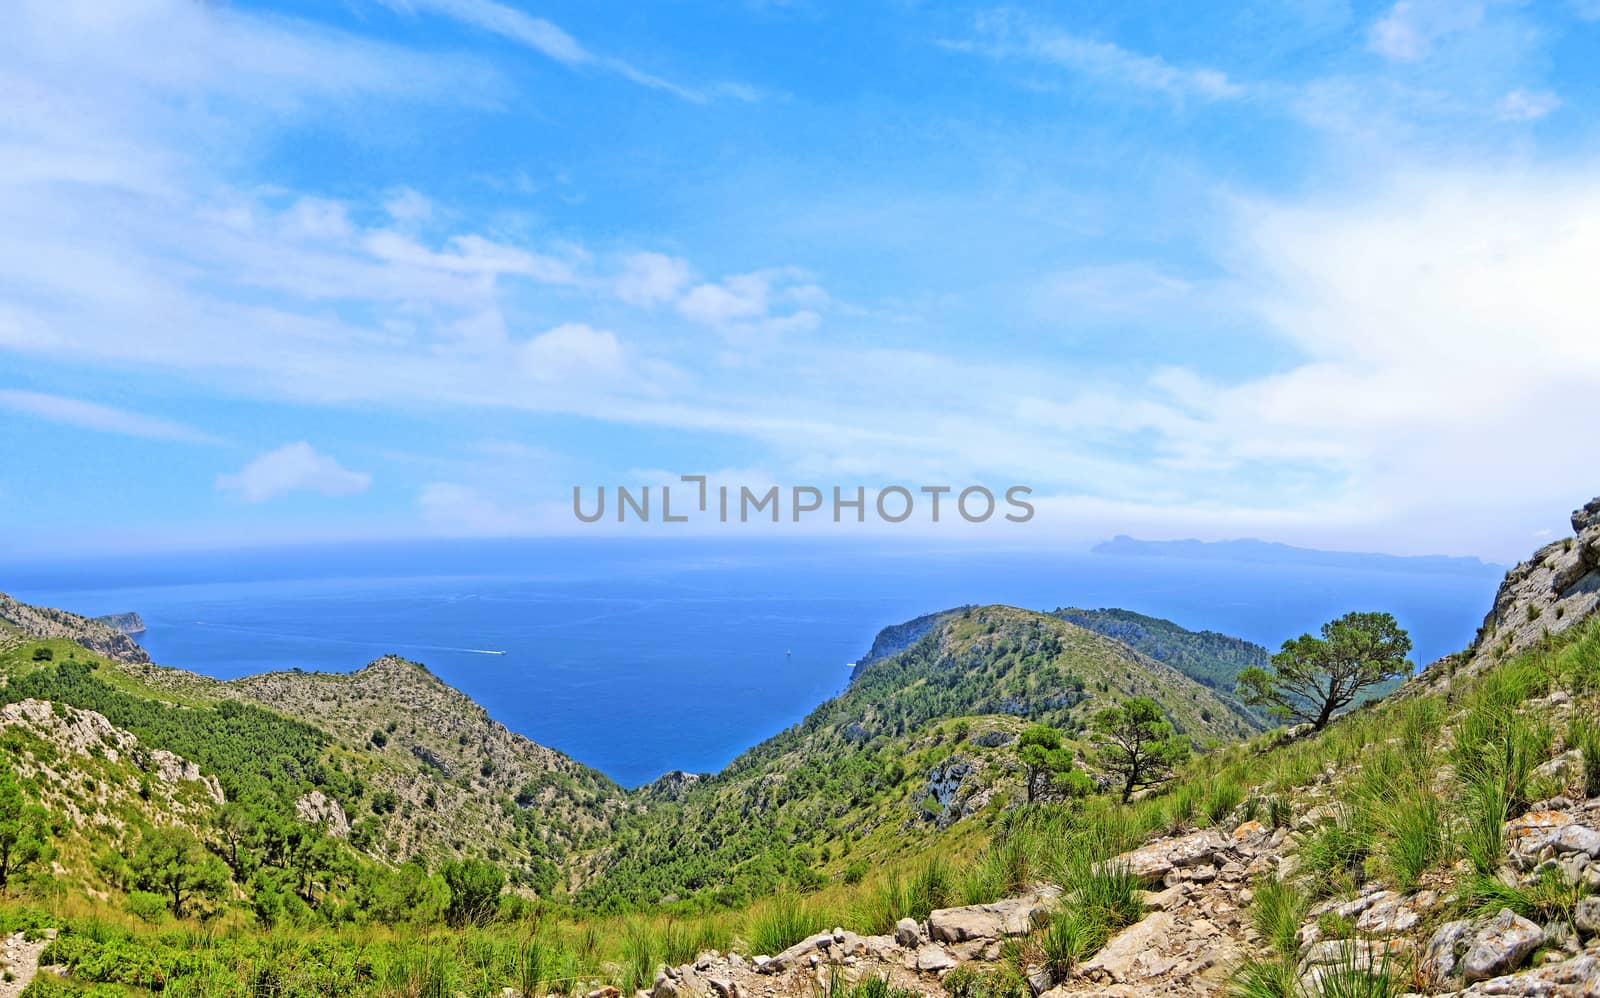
(1550,592)
(1154,862)
(35,622)
(952,792)
(128,623)
(1500,945)
(84,744)
(317,808)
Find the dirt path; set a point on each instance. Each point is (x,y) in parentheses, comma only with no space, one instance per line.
(19,961)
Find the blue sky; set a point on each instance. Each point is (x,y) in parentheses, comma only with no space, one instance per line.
(1309,270)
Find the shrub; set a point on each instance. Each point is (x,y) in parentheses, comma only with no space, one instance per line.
(146,906)
(1335,851)
(1550,897)
(1257,978)
(475,887)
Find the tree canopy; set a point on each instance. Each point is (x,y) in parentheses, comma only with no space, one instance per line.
(1138,744)
(1044,759)
(1314,678)
(22,830)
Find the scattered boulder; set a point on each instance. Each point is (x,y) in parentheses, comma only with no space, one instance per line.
(1500,946)
(932,958)
(1587,916)
(1442,957)
(907,932)
(1153,862)
(1011,917)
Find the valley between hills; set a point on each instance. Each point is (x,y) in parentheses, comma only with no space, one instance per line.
(1002,803)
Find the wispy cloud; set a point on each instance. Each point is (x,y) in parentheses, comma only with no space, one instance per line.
(103,418)
(1410,29)
(553,42)
(1003,35)
(1527,105)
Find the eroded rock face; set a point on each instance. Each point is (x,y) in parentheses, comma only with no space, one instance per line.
(1500,946)
(317,808)
(1557,587)
(950,784)
(43,622)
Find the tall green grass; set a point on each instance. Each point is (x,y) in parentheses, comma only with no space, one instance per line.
(1277,911)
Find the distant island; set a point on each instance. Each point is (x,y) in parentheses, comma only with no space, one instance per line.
(128,623)
(1269,552)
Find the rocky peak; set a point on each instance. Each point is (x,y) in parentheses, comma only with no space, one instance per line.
(36,622)
(1550,592)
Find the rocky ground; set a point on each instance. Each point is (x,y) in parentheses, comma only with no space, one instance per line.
(1197,928)
(19,961)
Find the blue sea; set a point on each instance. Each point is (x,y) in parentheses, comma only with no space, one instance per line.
(642,657)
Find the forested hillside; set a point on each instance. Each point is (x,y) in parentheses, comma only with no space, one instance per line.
(918,739)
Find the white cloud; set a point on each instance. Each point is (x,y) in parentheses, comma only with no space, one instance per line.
(573,352)
(104,418)
(1527,105)
(408,207)
(1003,35)
(1410,29)
(295,467)
(774,301)
(652,278)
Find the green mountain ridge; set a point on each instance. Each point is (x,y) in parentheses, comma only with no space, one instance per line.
(399,765)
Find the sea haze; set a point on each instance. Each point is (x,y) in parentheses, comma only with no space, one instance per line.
(639,657)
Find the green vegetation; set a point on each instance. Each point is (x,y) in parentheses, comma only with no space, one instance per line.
(1137,744)
(843,781)
(1209,658)
(256,753)
(819,827)
(22,831)
(1313,679)
(1046,761)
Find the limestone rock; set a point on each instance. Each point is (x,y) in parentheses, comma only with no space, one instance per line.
(1010,917)
(1575,978)
(1500,946)
(907,932)
(1119,960)
(1442,957)
(317,808)
(932,958)
(1153,862)
(1587,916)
